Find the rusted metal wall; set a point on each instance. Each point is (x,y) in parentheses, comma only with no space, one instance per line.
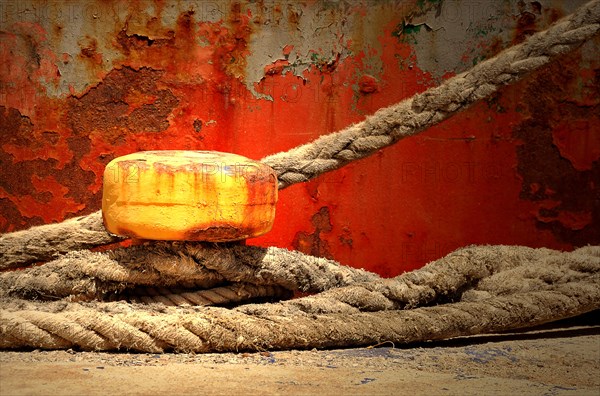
(85,81)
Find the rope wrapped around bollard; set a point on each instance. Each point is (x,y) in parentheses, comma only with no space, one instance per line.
(198,297)
(475,290)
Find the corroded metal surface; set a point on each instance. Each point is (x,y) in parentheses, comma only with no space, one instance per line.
(83,82)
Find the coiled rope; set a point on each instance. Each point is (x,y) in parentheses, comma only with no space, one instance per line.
(471,291)
(474,290)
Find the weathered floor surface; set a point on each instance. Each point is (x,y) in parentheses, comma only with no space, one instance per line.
(559,359)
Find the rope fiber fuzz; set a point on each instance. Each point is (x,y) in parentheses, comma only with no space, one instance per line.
(474,290)
(196,297)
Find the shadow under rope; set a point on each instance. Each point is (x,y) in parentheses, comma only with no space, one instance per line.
(583,325)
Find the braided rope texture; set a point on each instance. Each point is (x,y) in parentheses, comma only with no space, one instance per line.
(409,117)
(222,295)
(475,290)
(93,275)
(45,242)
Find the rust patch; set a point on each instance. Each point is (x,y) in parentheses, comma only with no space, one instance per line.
(553,15)
(135,42)
(197,125)
(312,243)
(579,141)
(76,178)
(30,47)
(27,185)
(526,20)
(218,233)
(566,198)
(17,130)
(126,101)
(11,218)
(232,52)
(345,237)
(51,137)
(277,67)
(293,16)
(89,50)
(368,84)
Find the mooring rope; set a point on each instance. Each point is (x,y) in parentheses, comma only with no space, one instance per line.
(92,275)
(474,290)
(386,127)
(47,241)
(471,291)
(409,117)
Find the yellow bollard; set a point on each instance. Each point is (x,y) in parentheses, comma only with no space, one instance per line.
(188,195)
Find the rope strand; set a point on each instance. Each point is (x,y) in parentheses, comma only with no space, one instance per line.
(473,290)
(477,290)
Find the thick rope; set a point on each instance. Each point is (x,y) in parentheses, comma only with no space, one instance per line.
(47,241)
(386,127)
(223,295)
(409,117)
(169,264)
(477,290)
(471,291)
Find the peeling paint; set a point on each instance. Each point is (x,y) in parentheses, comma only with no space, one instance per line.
(87,81)
(127,100)
(579,141)
(312,243)
(571,149)
(368,84)
(449,36)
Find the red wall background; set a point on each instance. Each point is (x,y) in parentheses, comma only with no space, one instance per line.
(84,82)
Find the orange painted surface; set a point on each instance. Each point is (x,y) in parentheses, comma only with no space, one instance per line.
(519,168)
(188,196)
